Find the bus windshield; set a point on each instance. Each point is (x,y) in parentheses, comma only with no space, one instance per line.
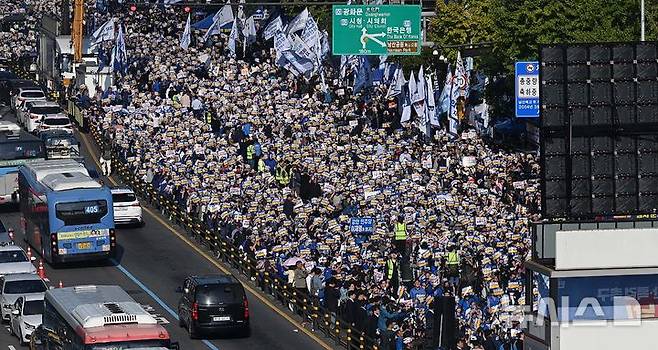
(21,150)
(33,307)
(12,256)
(24,287)
(81,213)
(129,345)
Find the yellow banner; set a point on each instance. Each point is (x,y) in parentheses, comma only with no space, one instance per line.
(81,234)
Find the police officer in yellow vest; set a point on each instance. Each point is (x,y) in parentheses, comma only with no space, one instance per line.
(392,271)
(400,235)
(251,156)
(452,265)
(281,176)
(262,167)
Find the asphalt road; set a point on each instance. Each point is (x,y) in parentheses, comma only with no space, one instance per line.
(151,262)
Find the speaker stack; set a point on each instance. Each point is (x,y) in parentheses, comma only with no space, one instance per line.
(599,129)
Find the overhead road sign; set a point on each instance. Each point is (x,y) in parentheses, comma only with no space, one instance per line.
(376,30)
(526,76)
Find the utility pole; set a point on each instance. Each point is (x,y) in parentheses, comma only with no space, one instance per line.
(641,20)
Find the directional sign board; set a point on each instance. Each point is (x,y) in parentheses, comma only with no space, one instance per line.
(527,89)
(376,30)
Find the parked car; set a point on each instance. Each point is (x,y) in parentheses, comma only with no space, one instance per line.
(33,112)
(26,316)
(52,122)
(14,260)
(213,303)
(127,209)
(16,285)
(26,94)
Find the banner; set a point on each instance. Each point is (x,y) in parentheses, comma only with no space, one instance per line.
(272,28)
(103,33)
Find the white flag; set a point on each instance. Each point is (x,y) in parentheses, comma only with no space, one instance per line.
(397,85)
(303,65)
(249,30)
(311,34)
(413,89)
(224,16)
(298,23)
(233,37)
(461,76)
(420,91)
(103,33)
(272,28)
(186,38)
(281,43)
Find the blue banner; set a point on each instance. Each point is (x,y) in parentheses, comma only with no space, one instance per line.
(362,225)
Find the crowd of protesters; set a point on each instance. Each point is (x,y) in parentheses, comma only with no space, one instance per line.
(279,167)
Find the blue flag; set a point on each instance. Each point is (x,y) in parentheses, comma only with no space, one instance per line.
(363,76)
(444,99)
(119,55)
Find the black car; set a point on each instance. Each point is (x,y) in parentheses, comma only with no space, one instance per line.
(212,304)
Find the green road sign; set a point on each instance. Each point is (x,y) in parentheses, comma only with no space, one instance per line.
(376,30)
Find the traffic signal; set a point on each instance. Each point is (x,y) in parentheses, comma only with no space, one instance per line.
(133,8)
(187,9)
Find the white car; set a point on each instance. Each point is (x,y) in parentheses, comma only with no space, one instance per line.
(57,121)
(33,112)
(14,260)
(127,209)
(14,286)
(10,127)
(26,316)
(22,95)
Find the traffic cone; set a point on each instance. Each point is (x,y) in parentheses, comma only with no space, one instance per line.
(29,253)
(60,285)
(41,271)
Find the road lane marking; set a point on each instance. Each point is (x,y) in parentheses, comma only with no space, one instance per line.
(157,299)
(11,347)
(210,259)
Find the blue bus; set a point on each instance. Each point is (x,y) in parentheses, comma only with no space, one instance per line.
(66,215)
(16,148)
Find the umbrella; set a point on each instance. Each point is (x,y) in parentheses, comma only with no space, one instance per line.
(293,261)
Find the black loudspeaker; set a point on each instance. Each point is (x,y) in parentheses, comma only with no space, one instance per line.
(445,323)
(599,129)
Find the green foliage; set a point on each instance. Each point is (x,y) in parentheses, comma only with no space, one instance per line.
(518,27)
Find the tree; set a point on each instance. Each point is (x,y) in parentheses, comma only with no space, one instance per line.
(518,27)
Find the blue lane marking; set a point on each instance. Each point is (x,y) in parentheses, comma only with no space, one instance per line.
(157,299)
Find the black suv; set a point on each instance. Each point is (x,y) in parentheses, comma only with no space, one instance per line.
(213,303)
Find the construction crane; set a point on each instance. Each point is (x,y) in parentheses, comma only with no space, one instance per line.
(77,35)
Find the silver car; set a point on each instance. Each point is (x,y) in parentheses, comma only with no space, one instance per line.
(14,286)
(14,260)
